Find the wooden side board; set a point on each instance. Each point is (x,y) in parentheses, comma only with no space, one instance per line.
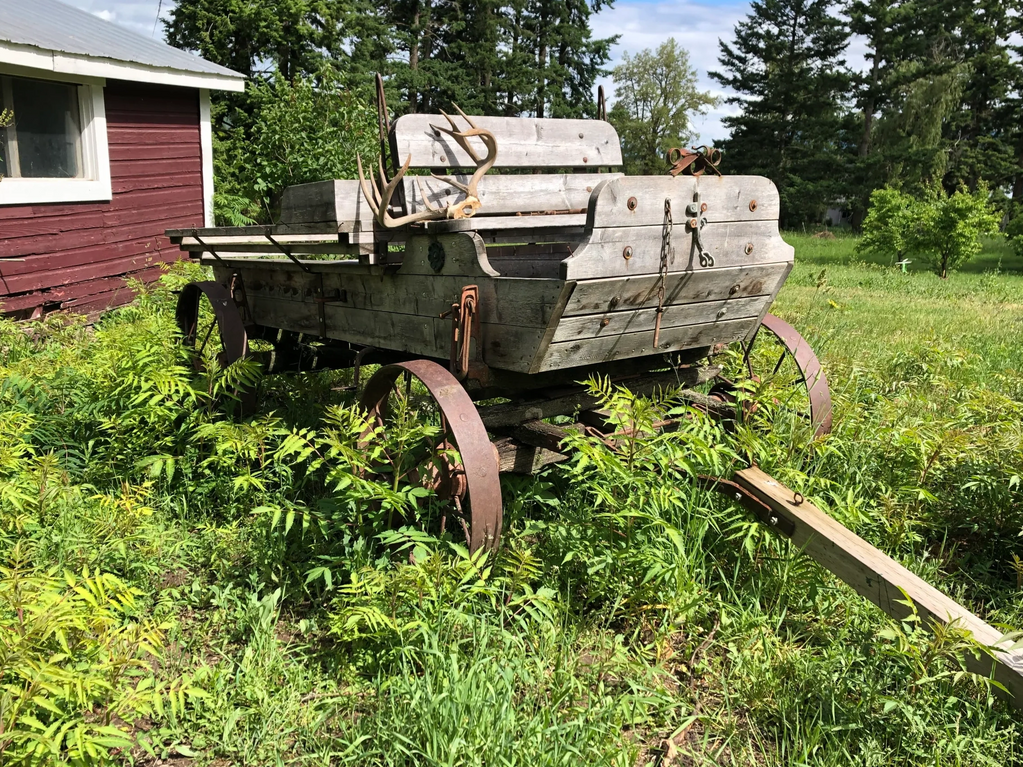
(882,580)
(509,194)
(612,294)
(635,250)
(674,315)
(587,351)
(522,142)
(639,200)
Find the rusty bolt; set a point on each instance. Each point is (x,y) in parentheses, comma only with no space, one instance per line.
(703,208)
(443,158)
(692,223)
(734,289)
(632,203)
(613,303)
(589,189)
(752,205)
(586,159)
(605,322)
(748,249)
(627,253)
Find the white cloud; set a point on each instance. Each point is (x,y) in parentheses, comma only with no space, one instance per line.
(137,15)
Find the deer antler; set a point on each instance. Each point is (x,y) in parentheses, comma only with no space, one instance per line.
(467,208)
(378,193)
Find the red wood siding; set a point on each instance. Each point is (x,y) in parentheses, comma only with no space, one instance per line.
(77,255)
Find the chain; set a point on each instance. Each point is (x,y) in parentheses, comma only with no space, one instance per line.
(667,255)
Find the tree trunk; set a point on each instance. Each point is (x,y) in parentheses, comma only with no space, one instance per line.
(541,85)
(413,63)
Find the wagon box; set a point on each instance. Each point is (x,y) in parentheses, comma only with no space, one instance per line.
(523,263)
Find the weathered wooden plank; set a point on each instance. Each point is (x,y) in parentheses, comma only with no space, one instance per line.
(518,458)
(503,301)
(339,203)
(617,323)
(508,194)
(548,225)
(603,253)
(619,293)
(882,580)
(587,351)
(542,435)
(325,230)
(521,142)
(728,198)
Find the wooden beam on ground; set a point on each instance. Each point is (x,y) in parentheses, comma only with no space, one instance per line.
(518,458)
(879,578)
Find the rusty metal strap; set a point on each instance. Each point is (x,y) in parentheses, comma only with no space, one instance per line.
(695,162)
(751,503)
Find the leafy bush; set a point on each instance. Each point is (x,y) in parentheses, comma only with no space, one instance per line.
(76,666)
(944,229)
(307,129)
(889,227)
(951,226)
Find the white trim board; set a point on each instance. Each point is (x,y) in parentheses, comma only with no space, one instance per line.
(86,66)
(206,143)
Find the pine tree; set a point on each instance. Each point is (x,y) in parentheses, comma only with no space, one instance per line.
(787,69)
(980,132)
(558,60)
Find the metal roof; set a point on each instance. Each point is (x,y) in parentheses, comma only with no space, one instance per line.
(54,27)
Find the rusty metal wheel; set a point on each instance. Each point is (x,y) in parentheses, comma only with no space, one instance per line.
(458,462)
(781,365)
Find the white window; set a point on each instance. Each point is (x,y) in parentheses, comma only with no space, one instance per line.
(55,149)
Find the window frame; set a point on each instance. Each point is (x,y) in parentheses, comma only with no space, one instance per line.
(95,184)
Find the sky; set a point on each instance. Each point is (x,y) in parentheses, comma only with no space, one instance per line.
(697,26)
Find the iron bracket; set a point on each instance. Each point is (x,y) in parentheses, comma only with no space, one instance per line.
(267,233)
(696,221)
(740,495)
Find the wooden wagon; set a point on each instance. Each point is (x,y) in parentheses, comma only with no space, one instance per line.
(531,267)
(518,284)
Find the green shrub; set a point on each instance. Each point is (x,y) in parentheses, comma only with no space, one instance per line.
(951,226)
(944,229)
(889,227)
(76,666)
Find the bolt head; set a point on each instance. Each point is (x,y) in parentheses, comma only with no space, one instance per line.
(632,203)
(752,205)
(627,253)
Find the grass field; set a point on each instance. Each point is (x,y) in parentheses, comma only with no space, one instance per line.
(180,588)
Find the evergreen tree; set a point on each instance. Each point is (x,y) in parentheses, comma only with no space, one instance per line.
(786,67)
(979,133)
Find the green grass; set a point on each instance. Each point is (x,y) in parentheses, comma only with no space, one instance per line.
(630,618)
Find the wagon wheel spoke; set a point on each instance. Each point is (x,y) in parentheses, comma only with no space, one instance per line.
(794,382)
(457,462)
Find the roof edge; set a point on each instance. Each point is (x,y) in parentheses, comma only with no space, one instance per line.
(32,57)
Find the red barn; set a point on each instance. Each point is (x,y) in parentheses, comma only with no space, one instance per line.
(110,145)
